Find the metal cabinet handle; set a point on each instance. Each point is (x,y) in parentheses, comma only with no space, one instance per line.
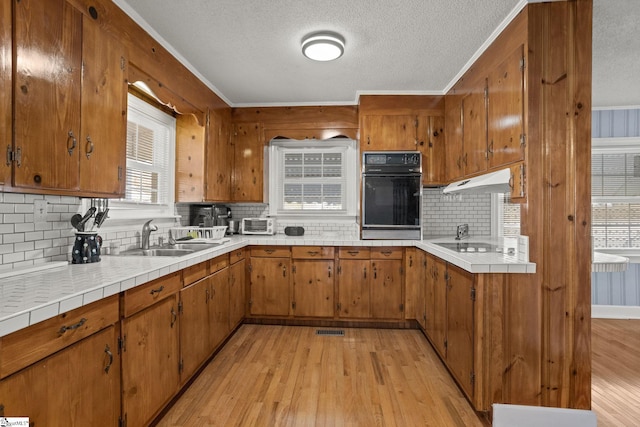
(284,271)
(207,296)
(375,273)
(269,251)
(107,350)
(410,261)
(174,317)
(365,272)
(72,327)
(157,291)
(73,140)
(89,147)
(312,253)
(386,253)
(329,271)
(353,253)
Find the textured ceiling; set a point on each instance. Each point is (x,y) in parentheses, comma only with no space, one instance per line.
(248,51)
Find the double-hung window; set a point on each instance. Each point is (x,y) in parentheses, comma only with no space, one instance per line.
(311,178)
(615,193)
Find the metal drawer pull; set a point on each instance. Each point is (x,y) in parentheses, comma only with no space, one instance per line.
(269,251)
(157,291)
(89,146)
(353,253)
(110,354)
(75,326)
(386,253)
(312,253)
(73,142)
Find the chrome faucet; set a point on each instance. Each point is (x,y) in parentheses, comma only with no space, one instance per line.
(146,232)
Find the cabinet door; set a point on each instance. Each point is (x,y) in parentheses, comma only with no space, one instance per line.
(190,161)
(353,288)
(313,288)
(150,366)
(219,307)
(237,283)
(474,131)
(248,163)
(219,153)
(437,299)
(415,289)
(431,143)
(90,373)
(386,289)
(48,49)
(454,167)
(6,62)
(388,133)
(269,284)
(460,324)
(104,113)
(194,326)
(505,87)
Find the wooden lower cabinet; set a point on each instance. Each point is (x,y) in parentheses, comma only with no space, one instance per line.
(150,360)
(194,327)
(460,327)
(313,287)
(415,286)
(354,301)
(436,303)
(77,386)
(219,307)
(237,292)
(270,272)
(386,289)
(313,281)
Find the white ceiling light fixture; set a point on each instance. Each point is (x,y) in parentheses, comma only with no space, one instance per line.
(323,46)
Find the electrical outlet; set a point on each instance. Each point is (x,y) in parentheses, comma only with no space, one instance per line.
(40,211)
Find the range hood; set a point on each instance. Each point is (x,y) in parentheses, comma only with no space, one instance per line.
(494,182)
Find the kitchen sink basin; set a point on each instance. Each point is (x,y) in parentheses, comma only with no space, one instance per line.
(174,250)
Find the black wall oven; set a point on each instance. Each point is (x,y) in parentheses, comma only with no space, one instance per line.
(391,195)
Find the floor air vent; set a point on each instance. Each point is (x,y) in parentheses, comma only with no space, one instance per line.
(330,333)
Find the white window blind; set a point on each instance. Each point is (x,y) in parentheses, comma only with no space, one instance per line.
(150,137)
(312,178)
(615,191)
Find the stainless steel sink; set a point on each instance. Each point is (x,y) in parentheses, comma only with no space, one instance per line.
(157,252)
(174,250)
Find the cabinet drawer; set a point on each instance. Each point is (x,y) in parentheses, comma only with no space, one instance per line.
(271,251)
(237,255)
(386,253)
(218,263)
(354,252)
(194,273)
(27,346)
(148,294)
(312,252)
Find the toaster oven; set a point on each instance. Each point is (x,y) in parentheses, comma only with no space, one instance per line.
(259,226)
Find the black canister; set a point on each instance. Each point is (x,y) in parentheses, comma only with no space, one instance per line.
(86,248)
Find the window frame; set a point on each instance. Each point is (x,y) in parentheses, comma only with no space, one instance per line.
(623,145)
(274,156)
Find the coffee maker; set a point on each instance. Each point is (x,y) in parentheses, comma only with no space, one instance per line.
(222,214)
(202,215)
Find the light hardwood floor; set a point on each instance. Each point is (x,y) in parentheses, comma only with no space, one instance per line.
(289,376)
(615,382)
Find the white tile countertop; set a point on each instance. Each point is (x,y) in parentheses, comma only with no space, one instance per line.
(34,296)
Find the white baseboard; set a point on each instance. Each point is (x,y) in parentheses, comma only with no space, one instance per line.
(615,312)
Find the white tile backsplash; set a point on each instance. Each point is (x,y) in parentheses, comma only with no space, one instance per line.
(24,242)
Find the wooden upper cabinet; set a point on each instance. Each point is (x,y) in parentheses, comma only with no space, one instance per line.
(453,169)
(430,137)
(248,163)
(388,133)
(102,144)
(48,72)
(5,90)
(219,154)
(190,159)
(474,130)
(505,110)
